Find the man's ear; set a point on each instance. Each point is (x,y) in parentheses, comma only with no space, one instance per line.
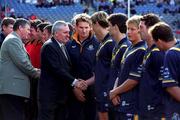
(55,33)
(159,40)
(117,28)
(3,27)
(20,28)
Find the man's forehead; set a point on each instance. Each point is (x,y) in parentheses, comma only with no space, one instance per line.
(64,28)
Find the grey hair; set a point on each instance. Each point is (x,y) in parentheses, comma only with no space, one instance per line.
(57,26)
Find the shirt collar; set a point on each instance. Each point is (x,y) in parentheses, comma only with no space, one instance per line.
(60,44)
(122,40)
(106,37)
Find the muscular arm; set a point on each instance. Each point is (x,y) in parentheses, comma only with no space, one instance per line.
(128,85)
(174,92)
(90,81)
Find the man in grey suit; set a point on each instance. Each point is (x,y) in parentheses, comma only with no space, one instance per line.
(15,72)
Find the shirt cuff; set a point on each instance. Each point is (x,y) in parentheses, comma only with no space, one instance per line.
(74,82)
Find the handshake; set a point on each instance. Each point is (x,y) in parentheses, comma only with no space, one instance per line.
(80,84)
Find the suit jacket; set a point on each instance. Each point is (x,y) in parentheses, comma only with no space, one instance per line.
(55,80)
(15,67)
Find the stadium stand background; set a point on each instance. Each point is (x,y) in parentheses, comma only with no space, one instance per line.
(52,10)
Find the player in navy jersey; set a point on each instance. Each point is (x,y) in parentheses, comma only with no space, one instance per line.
(125,95)
(150,87)
(117,29)
(165,40)
(103,63)
(82,51)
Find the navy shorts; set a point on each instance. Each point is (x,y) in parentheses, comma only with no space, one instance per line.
(124,116)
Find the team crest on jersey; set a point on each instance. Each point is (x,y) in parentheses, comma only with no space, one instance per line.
(90,47)
(74,46)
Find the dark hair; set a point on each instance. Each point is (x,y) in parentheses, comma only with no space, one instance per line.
(20,22)
(119,19)
(150,19)
(7,21)
(41,26)
(101,18)
(48,28)
(162,31)
(35,23)
(71,28)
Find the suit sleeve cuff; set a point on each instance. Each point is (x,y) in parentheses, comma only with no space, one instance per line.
(74,82)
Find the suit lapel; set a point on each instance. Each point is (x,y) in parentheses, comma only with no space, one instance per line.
(69,60)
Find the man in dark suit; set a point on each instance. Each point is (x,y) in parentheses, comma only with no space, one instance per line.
(56,80)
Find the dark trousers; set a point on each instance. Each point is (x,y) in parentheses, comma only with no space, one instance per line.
(111,113)
(154,115)
(32,105)
(150,118)
(52,111)
(31,110)
(12,107)
(82,111)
